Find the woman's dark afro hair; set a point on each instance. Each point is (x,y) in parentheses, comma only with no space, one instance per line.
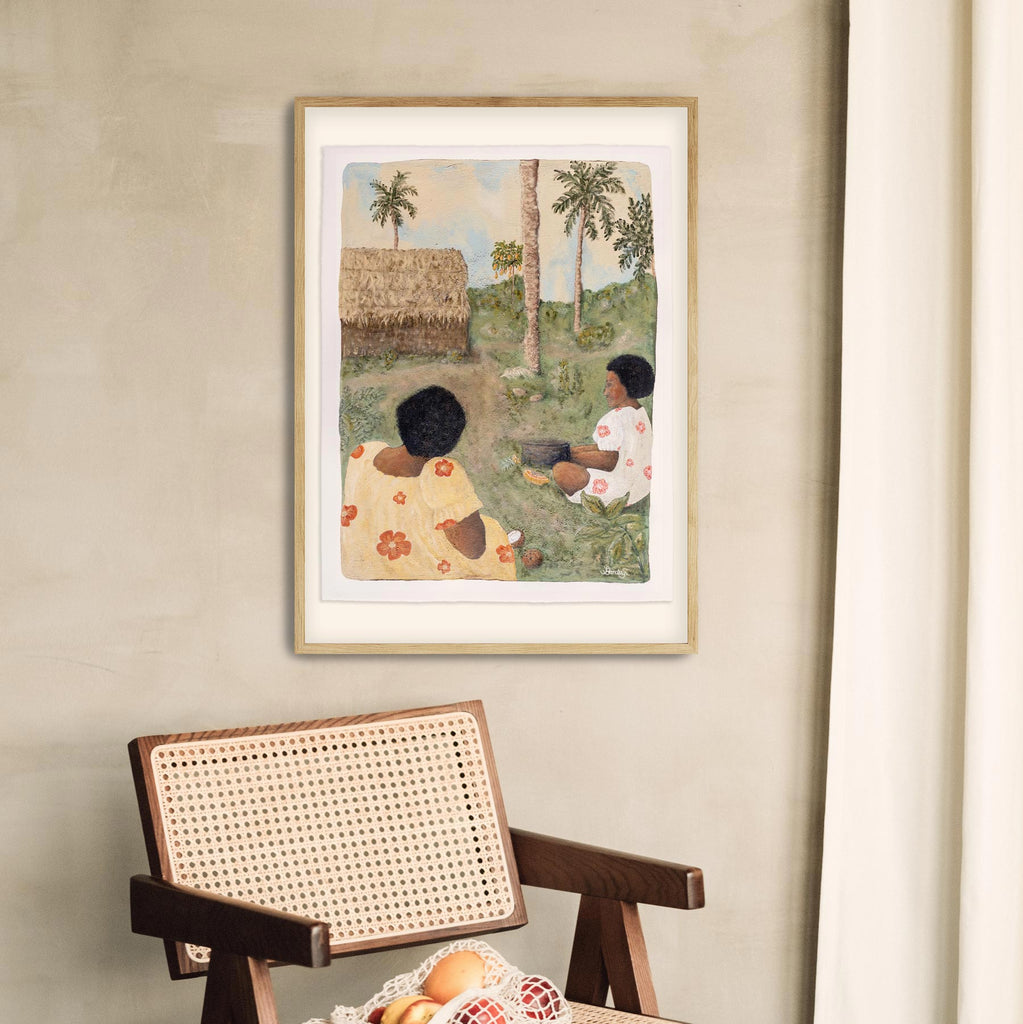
(430,422)
(635,373)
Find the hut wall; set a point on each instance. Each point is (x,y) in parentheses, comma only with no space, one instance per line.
(412,339)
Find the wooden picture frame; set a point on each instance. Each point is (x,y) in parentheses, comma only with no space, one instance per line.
(649,145)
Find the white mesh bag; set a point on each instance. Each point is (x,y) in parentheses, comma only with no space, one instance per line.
(508,996)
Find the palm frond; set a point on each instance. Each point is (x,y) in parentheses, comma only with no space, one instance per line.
(392,200)
(635,241)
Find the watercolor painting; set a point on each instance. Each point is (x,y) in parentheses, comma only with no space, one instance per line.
(495,416)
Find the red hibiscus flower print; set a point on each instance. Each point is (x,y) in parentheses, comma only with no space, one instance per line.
(444,566)
(646,472)
(357,452)
(505,553)
(443,467)
(603,430)
(348,513)
(393,545)
(399,498)
(600,486)
(641,428)
(629,462)
(446,525)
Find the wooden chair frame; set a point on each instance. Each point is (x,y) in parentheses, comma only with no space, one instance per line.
(608,954)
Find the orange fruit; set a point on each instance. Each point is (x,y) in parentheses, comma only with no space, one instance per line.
(453,974)
(535,478)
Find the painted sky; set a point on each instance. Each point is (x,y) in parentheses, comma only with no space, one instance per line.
(472,204)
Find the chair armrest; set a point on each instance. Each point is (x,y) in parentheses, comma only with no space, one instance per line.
(183,914)
(591,871)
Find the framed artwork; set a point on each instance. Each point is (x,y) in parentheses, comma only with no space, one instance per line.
(495,375)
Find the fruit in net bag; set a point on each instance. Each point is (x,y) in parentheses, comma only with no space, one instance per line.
(419,1012)
(540,999)
(453,974)
(414,1009)
(481,1011)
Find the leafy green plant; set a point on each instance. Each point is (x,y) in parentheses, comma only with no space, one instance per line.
(617,539)
(359,418)
(569,380)
(506,259)
(595,336)
(635,241)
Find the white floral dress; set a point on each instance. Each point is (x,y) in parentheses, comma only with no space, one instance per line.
(627,431)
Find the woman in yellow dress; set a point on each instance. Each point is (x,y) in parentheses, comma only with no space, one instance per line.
(410,513)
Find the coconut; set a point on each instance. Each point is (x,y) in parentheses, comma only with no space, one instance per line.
(531,558)
(515,538)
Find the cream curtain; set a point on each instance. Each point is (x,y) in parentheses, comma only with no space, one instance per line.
(922,889)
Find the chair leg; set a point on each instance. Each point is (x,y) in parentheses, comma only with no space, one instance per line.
(626,960)
(609,952)
(238,991)
(587,974)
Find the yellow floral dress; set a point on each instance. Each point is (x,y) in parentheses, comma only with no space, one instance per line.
(392,527)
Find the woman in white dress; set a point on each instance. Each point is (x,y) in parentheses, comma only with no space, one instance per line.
(618,463)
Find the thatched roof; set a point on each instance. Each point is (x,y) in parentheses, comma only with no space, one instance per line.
(403,287)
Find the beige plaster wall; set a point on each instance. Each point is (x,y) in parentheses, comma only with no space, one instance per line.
(145,402)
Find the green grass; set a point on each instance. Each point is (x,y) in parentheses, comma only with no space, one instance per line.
(576,543)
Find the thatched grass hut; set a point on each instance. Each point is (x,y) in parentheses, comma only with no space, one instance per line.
(409,301)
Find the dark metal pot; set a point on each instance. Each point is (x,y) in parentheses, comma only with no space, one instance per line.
(545,452)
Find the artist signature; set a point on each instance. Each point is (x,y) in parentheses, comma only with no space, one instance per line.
(608,571)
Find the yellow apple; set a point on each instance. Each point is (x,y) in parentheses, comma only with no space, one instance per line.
(419,1012)
(393,1011)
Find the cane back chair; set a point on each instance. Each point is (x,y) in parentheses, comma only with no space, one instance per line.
(298,843)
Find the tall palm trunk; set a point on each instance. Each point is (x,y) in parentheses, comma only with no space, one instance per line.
(528,170)
(577,323)
(395,224)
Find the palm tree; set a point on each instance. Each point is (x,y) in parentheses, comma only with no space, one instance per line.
(530,253)
(635,241)
(392,202)
(586,199)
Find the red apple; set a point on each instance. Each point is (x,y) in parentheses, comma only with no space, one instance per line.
(376,1015)
(482,1011)
(540,999)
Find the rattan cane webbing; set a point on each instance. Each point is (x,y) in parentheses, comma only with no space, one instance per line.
(583,1013)
(380,828)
